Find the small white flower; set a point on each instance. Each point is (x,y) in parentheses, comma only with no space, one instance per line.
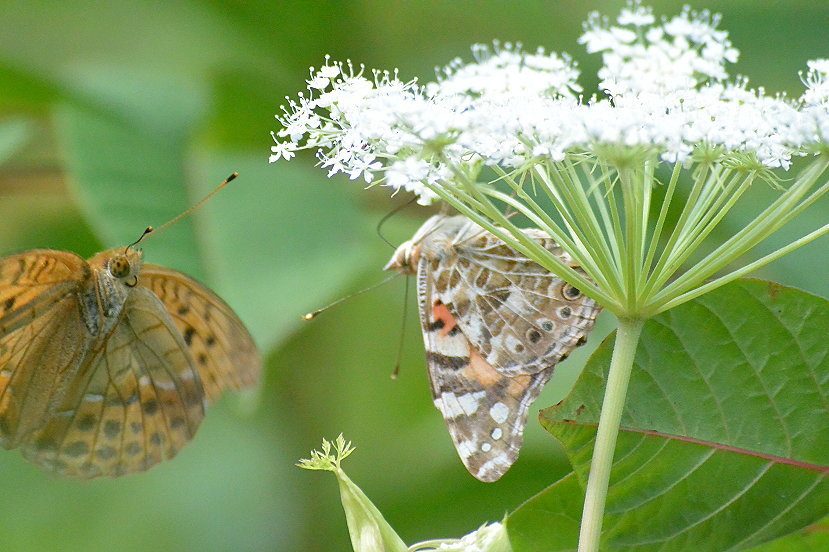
(666,89)
(282,150)
(488,538)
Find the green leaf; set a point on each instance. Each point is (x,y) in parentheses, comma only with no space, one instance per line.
(254,243)
(724,435)
(549,521)
(25,91)
(14,133)
(813,538)
(127,159)
(280,241)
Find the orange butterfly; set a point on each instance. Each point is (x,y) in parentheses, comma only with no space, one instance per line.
(107,365)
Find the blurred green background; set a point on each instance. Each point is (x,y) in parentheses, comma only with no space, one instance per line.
(118,115)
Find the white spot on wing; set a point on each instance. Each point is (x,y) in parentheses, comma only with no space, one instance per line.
(486,447)
(452,406)
(471,401)
(499,463)
(165,385)
(93,397)
(499,412)
(514,344)
(453,345)
(466,449)
(497,433)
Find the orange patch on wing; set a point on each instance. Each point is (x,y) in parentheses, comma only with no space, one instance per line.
(440,312)
(518,385)
(480,371)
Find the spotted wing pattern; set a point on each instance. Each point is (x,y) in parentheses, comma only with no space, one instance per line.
(517,315)
(225,354)
(485,411)
(495,324)
(137,399)
(42,338)
(88,388)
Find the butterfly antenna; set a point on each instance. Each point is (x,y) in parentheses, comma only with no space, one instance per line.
(227,181)
(136,242)
(387,217)
(396,371)
(312,315)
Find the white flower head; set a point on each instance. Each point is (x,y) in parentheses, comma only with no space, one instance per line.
(666,91)
(488,538)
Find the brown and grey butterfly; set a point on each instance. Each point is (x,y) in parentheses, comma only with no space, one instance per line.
(494,324)
(107,365)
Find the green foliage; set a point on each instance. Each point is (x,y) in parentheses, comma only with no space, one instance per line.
(724,435)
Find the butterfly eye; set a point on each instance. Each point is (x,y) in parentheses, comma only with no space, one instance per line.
(119,267)
(571,292)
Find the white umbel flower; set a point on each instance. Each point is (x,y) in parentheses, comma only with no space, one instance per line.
(666,90)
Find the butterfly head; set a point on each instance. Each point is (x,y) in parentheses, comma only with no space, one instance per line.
(435,234)
(405,258)
(122,264)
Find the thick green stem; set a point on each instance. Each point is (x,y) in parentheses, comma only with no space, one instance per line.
(627,337)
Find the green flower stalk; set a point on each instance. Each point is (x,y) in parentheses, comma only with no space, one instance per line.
(369,530)
(633,184)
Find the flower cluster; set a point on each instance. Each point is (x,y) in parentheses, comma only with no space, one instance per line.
(665,91)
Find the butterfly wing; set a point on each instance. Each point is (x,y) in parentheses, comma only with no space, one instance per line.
(518,316)
(485,410)
(42,336)
(224,351)
(137,399)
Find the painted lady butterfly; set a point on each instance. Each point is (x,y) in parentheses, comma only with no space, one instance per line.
(494,324)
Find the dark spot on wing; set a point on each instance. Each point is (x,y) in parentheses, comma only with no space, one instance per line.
(177,422)
(502,295)
(9,303)
(87,422)
(112,428)
(182,310)
(210,341)
(202,359)
(436,325)
(192,398)
(150,407)
(534,336)
(76,449)
(188,335)
(46,444)
(447,362)
(105,453)
(571,292)
(156,439)
(133,449)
